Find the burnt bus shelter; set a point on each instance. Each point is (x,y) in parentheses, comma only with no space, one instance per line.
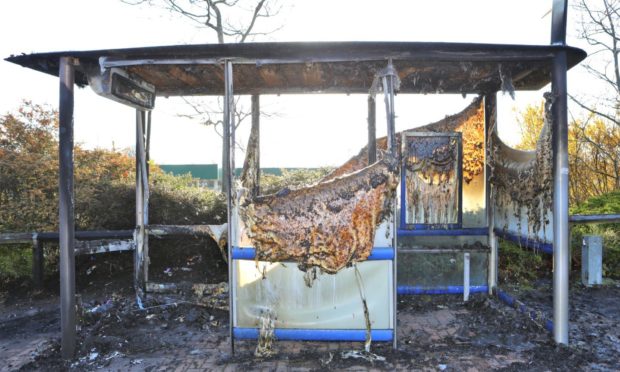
(255,243)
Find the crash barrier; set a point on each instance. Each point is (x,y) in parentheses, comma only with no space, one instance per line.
(104,241)
(92,242)
(546,247)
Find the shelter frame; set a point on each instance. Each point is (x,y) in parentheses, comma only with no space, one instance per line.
(531,67)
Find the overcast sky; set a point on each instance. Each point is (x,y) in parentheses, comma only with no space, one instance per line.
(309,130)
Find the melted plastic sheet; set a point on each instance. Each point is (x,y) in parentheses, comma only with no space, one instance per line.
(329,225)
(523,184)
(470,123)
(432,184)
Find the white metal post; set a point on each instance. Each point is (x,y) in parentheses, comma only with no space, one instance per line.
(561,241)
(229,168)
(466,261)
(490,122)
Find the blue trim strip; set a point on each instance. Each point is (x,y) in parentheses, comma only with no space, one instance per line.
(532,244)
(377,253)
(431,226)
(522,308)
(290,334)
(468,231)
(246,253)
(451,289)
(381,253)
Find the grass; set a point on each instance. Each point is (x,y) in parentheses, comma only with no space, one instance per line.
(521,266)
(15,262)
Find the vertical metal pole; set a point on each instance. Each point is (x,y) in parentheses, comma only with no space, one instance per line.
(37,262)
(466,262)
(65,208)
(388,89)
(558,22)
(226,140)
(561,256)
(225,157)
(395,275)
(148,144)
(256,128)
(490,125)
(372,130)
(139,284)
(147,157)
(228,168)
(561,241)
(144,180)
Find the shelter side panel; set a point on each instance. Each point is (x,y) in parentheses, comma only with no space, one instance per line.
(332,302)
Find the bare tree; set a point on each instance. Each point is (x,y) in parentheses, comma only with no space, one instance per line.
(600,28)
(231,21)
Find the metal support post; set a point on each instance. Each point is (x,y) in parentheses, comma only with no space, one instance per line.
(561,253)
(559,132)
(256,129)
(148,144)
(37,262)
(144,173)
(558,22)
(490,125)
(225,160)
(388,89)
(142,199)
(466,271)
(372,130)
(395,276)
(66,232)
(228,168)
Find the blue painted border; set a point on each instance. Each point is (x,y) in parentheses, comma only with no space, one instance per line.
(292,334)
(468,231)
(452,289)
(522,308)
(377,253)
(532,244)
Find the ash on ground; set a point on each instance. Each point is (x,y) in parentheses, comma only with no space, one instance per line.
(187,328)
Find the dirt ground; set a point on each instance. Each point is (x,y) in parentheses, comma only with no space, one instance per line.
(188,330)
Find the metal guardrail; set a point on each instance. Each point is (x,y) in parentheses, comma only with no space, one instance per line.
(103,241)
(93,241)
(594,218)
(27,237)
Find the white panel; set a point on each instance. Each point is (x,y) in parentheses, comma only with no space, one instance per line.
(333,301)
(385,233)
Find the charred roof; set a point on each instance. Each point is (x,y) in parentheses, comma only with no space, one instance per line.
(326,67)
